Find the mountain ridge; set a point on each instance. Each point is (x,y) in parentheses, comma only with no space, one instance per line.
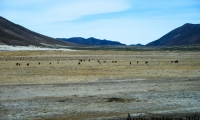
(90,41)
(187,34)
(14,34)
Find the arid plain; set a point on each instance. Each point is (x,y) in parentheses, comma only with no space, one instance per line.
(104,85)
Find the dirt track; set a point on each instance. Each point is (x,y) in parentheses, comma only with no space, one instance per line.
(92,90)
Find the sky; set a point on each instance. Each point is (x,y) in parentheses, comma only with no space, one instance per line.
(126,21)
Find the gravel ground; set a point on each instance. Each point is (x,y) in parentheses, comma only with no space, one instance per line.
(100,99)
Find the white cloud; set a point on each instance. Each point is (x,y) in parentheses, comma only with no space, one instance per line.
(48,11)
(74,10)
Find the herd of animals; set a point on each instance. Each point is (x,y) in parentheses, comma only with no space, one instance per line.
(83,60)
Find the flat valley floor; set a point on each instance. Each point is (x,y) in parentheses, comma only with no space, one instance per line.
(77,85)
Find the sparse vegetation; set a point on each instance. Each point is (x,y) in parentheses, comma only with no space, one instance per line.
(110,89)
(139,48)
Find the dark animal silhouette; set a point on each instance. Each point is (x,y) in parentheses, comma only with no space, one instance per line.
(130,63)
(39,63)
(79,63)
(128,117)
(17,64)
(137,62)
(50,63)
(27,64)
(176,61)
(146,62)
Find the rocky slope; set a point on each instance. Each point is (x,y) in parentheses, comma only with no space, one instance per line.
(13,34)
(188,34)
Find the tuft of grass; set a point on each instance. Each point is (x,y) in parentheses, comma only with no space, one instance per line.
(116,100)
(122,100)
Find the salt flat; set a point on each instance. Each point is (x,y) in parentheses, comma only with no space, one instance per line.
(27,48)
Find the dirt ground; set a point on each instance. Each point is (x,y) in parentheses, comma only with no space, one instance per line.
(61,88)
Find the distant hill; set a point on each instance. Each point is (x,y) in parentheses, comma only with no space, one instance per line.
(13,34)
(188,34)
(90,41)
(136,44)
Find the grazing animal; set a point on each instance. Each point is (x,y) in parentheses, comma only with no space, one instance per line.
(38,63)
(130,63)
(176,61)
(146,62)
(17,64)
(104,61)
(112,61)
(79,63)
(27,64)
(172,61)
(137,62)
(115,61)
(89,60)
(129,117)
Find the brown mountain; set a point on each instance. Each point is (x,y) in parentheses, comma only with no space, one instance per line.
(188,34)
(13,34)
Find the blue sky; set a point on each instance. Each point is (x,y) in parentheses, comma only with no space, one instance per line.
(126,21)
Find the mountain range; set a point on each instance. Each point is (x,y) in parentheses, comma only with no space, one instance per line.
(188,34)
(90,41)
(14,34)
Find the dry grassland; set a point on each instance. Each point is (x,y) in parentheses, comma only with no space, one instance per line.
(67,70)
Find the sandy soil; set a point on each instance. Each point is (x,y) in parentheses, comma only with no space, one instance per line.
(98,90)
